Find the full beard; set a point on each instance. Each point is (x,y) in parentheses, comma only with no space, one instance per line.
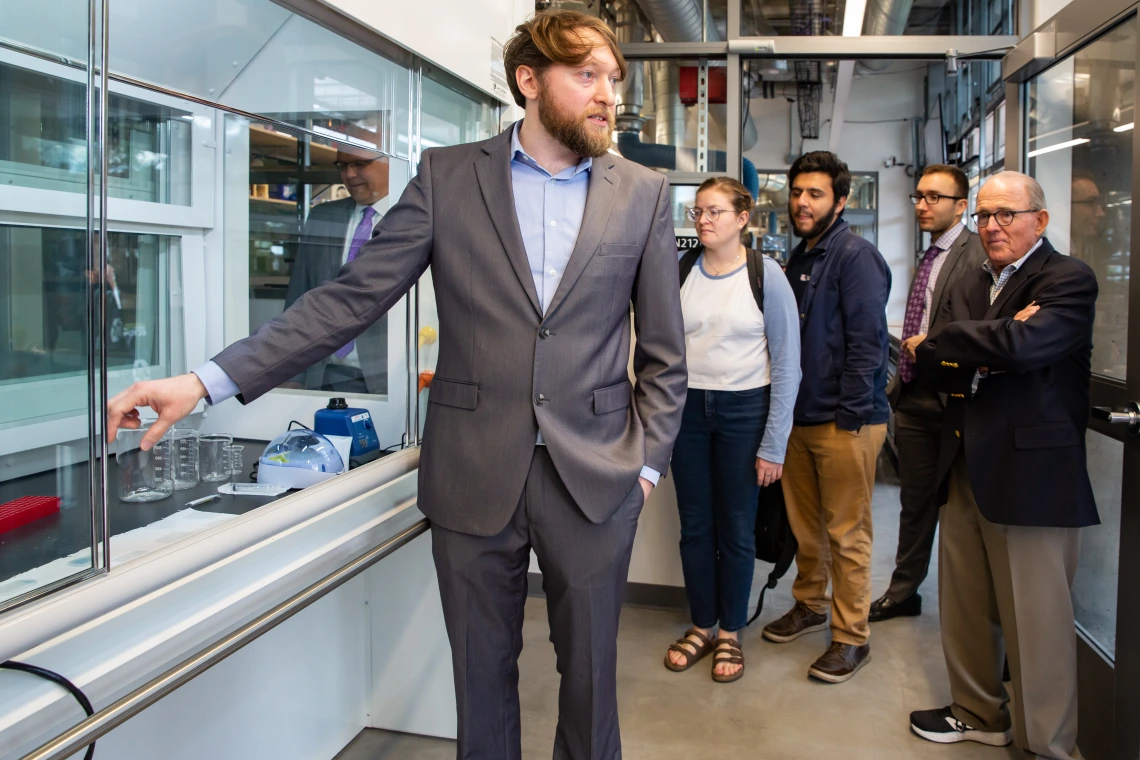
(819,227)
(575,132)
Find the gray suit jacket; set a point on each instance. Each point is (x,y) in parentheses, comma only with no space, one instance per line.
(319,258)
(965,255)
(505,370)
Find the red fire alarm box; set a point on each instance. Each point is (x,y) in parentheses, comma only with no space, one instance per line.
(718,84)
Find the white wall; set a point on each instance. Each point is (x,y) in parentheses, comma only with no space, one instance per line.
(459,34)
(886,99)
(1041,11)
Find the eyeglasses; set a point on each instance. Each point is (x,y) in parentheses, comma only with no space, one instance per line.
(694,214)
(1004,217)
(932,198)
(357,165)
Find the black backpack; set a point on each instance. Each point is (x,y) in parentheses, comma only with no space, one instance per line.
(775,543)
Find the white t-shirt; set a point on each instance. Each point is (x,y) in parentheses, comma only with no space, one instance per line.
(725,342)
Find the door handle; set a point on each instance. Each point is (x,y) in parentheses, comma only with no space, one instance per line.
(1130,417)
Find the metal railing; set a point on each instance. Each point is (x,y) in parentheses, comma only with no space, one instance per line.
(103,721)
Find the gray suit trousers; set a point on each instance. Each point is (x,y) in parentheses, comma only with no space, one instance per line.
(1004,591)
(483,585)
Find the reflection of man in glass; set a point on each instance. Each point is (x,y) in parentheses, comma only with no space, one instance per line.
(333,235)
(1087,214)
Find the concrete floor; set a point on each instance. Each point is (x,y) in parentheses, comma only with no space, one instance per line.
(773,712)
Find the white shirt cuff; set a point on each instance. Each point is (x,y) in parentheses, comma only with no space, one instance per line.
(219,385)
(650,474)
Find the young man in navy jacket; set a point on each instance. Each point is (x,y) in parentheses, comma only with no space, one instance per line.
(841,283)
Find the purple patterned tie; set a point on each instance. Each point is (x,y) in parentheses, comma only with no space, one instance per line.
(363,233)
(915,305)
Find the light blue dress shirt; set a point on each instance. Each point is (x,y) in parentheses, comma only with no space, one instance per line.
(549,209)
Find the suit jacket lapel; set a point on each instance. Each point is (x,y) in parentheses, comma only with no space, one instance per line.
(493,171)
(599,202)
(952,256)
(978,295)
(1019,278)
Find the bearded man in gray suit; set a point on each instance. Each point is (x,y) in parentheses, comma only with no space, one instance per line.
(538,240)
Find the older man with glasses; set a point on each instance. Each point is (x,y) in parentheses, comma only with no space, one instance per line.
(1014,356)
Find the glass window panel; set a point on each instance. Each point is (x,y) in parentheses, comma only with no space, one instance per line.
(453,114)
(48,305)
(1079,147)
(1095,584)
(269,62)
(43,145)
(305,204)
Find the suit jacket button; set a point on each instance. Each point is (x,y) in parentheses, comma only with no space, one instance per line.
(539,399)
(957,433)
(544,333)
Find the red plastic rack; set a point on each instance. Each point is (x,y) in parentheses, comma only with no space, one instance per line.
(26,509)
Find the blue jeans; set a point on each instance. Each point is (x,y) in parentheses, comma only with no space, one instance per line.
(714,470)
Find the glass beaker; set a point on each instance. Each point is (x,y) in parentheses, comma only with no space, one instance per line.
(184,457)
(143,475)
(237,463)
(214,457)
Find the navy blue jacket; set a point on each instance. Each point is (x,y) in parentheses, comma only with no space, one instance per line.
(843,333)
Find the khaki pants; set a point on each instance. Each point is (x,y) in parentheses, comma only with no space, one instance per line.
(829,475)
(1004,590)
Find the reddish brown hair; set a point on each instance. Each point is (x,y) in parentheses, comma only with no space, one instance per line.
(552,37)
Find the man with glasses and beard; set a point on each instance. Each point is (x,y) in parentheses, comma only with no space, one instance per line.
(539,239)
(841,283)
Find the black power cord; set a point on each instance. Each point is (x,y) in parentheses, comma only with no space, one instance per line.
(56,678)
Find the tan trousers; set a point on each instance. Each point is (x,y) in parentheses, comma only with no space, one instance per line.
(829,475)
(1004,589)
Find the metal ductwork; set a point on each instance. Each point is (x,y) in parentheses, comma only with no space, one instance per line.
(678,20)
(630,27)
(886,17)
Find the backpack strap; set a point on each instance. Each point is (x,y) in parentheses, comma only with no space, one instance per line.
(755,261)
(685,264)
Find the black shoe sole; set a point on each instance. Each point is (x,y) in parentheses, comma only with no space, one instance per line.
(906,609)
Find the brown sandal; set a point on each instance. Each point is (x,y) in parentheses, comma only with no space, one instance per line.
(732,654)
(691,658)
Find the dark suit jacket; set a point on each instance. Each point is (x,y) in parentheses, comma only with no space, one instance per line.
(505,369)
(965,255)
(1024,431)
(318,261)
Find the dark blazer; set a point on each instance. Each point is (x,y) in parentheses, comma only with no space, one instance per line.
(843,333)
(965,255)
(318,260)
(505,369)
(1024,431)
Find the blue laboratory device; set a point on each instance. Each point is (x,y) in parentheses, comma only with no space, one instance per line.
(338,418)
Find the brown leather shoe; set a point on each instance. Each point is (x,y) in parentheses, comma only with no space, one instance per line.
(796,623)
(840,662)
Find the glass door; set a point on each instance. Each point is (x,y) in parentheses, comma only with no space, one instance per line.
(55,294)
(1078,142)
